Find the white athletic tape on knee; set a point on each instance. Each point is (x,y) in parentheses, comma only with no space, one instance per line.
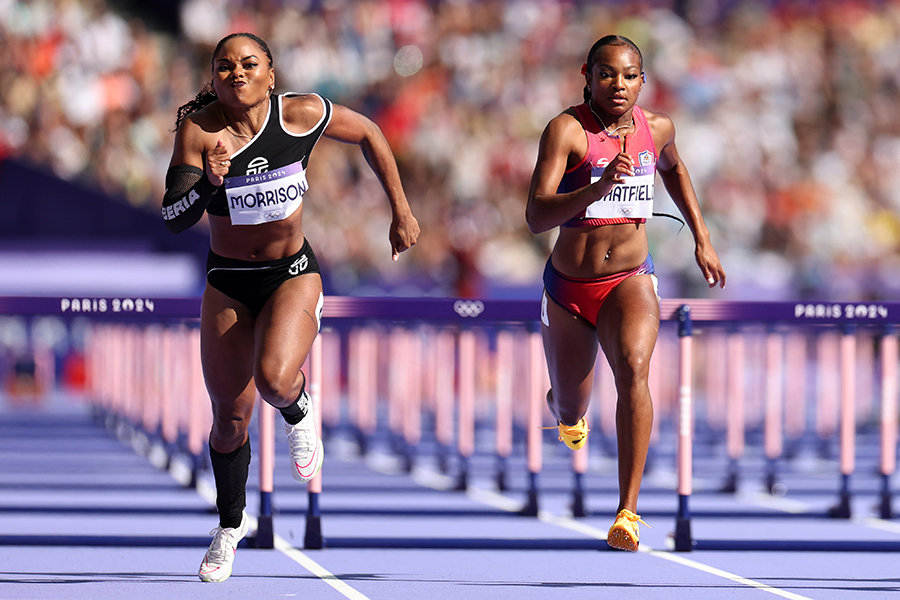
(545,319)
(320,306)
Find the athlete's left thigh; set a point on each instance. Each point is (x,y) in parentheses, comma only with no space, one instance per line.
(628,324)
(287,326)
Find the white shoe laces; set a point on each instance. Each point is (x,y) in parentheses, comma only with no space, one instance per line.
(224,541)
(302,437)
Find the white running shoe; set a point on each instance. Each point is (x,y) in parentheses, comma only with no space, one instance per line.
(216,565)
(305,443)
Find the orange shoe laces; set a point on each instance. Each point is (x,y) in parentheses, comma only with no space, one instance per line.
(572,430)
(627,515)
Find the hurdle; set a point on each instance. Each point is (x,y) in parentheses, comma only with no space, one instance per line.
(846,318)
(683,539)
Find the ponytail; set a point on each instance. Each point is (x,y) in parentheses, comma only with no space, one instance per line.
(206,96)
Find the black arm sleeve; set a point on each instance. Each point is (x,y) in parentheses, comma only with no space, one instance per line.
(188,191)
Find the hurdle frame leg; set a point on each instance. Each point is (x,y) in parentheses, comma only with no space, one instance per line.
(312,538)
(735,417)
(534,433)
(503,406)
(466,407)
(579,508)
(265,532)
(580,464)
(683,539)
(847,421)
(889,389)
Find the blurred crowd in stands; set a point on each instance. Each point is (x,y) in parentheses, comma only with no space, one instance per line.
(787,112)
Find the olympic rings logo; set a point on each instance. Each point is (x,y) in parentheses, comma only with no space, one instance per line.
(626,210)
(273,216)
(468,308)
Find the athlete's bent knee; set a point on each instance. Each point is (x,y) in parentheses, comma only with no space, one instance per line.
(277,388)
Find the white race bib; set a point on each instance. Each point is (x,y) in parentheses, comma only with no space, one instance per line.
(266,197)
(633,198)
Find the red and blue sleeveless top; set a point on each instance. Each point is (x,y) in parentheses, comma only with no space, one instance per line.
(628,202)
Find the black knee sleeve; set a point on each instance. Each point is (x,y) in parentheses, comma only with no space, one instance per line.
(231,471)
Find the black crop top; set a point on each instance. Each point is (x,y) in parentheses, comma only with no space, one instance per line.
(272,148)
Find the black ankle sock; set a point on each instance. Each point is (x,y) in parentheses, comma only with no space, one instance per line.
(294,413)
(231,471)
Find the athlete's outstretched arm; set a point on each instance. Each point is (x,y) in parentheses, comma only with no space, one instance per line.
(351,127)
(677,180)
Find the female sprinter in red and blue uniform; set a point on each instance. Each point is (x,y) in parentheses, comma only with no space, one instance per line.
(597,163)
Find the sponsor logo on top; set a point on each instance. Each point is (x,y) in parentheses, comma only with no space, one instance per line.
(258,165)
(298,265)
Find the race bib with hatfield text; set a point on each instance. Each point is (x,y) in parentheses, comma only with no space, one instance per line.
(633,198)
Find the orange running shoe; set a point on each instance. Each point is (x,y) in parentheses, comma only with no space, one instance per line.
(623,535)
(573,436)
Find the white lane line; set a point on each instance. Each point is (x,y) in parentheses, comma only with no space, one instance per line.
(766,500)
(877,523)
(797,507)
(318,570)
(504,503)
(731,576)
(208,493)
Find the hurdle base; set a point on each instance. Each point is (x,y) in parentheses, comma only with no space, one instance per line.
(500,475)
(885,510)
(409,458)
(265,533)
(462,478)
(500,481)
(731,484)
(397,444)
(531,505)
(197,465)
(362,442)
(443,459)
(884,506)
(683,540)
(312,539)
(842,509)
(579,508)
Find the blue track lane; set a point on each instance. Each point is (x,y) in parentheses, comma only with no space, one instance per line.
(83,515)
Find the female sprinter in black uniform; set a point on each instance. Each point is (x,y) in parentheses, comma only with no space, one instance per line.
(594,180)
(241,154)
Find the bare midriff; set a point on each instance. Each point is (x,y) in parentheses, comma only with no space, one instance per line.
(592,252)
(266,241)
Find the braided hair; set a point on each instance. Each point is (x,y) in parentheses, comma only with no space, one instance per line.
(207,93)
(609,40)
